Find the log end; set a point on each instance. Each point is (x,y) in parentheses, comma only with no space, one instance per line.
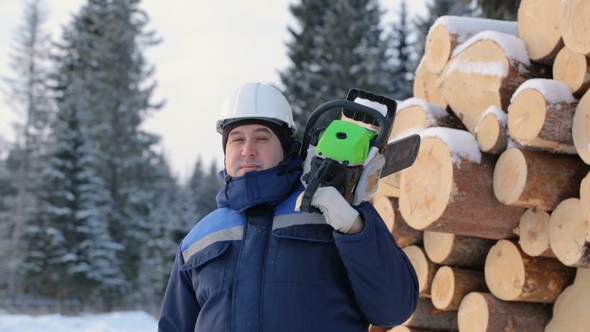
(504,271)
(473,313)
(580,133)
(438,48)
(510,175)
(526,116)
(567,233)
(534,232)
(443,287)
(425,188)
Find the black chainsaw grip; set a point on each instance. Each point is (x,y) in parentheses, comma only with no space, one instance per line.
(318,179)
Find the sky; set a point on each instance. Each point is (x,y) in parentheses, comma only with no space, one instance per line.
(206,52)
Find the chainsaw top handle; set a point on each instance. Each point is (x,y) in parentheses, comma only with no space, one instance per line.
(357,112)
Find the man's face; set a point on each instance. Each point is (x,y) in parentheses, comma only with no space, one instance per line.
(250,148)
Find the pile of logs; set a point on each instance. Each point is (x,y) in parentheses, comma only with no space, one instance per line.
(494,214)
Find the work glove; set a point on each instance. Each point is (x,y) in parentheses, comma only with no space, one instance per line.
(335,209)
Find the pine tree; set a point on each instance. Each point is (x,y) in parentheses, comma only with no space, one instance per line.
(499,9)
(70,251)
(203,187)
(338,46)
(402,67)
(28,95)
(103,48)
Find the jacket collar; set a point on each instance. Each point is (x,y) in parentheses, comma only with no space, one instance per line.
(270,186)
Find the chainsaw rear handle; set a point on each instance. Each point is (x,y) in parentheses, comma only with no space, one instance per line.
(384,123)
(313,185)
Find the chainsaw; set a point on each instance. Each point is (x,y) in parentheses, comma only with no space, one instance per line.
(353,155)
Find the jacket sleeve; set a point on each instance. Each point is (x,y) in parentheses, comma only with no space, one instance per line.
(179,308)
(382,277)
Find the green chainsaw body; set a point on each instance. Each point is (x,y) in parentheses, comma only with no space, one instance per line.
(351,155)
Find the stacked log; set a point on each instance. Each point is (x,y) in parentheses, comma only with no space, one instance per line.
(498,200)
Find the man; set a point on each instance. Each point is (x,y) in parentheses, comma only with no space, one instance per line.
(257,263)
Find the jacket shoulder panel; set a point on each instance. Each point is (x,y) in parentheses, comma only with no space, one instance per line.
(222,224)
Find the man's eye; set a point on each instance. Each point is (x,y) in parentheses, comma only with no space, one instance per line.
(237,139)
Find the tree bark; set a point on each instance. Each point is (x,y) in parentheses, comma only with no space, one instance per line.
(573,69)
(451,284)
(533,231)
(512,275)
(482,312)
(448,32)
(454,250)
(570,311)
(568,233)
(388,209)
(541,114)
(574,26)
(538,27)
(536,179)
(484,74)
(427,317)
(450,174)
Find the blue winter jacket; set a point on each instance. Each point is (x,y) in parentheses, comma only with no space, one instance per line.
(255,264)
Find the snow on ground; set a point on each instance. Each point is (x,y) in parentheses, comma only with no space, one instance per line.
(131,321)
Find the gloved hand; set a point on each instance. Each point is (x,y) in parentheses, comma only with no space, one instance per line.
(337,211)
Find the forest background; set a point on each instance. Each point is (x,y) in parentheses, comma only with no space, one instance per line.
(91,213)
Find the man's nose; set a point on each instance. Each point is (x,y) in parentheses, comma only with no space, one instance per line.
(248,149)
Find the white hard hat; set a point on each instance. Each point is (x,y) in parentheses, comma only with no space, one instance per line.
(256,101)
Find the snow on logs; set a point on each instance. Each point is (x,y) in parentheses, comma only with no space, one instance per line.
(484,72)
(541,114)
(448,32)
(500,189)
